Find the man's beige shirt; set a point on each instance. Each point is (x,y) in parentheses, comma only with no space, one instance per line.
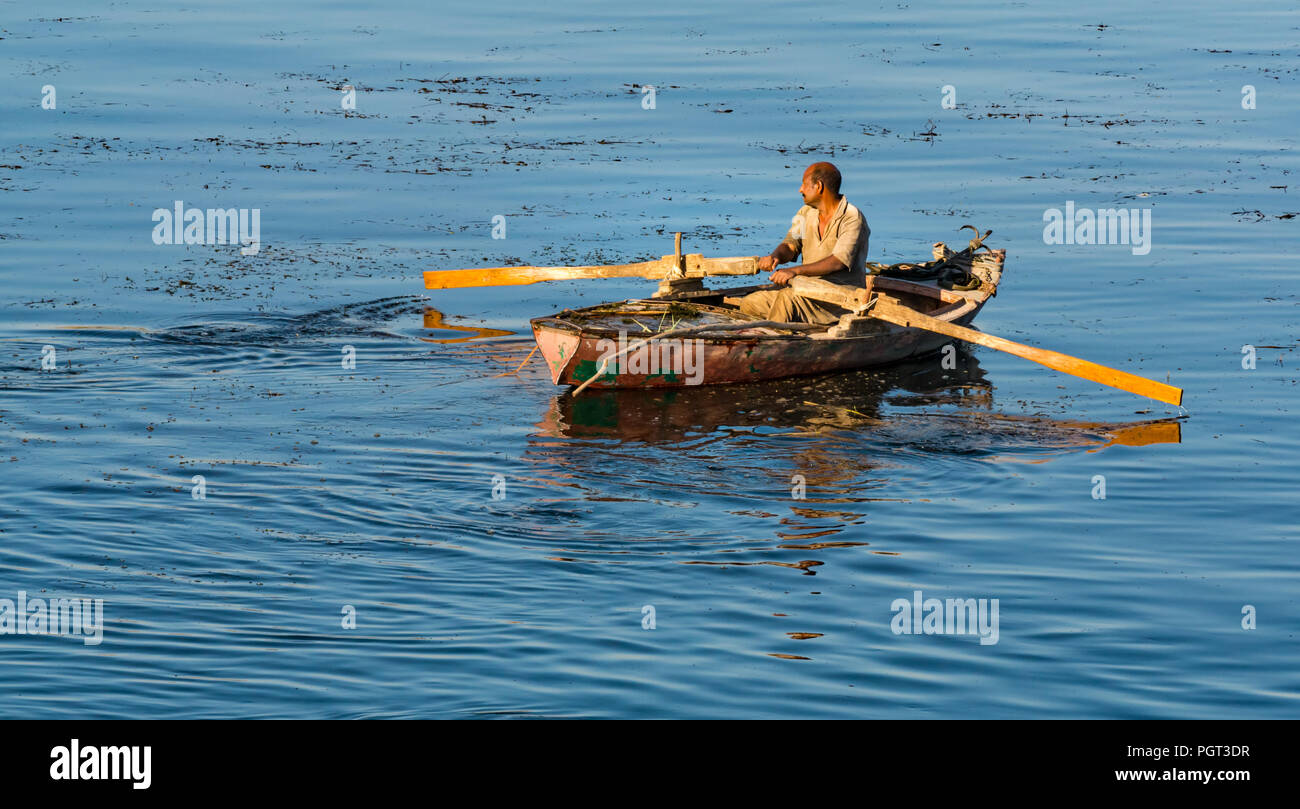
(845,238)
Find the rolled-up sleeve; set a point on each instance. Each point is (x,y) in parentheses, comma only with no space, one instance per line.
(794,236)
(851,241)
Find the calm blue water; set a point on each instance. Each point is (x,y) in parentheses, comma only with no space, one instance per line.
(372,487)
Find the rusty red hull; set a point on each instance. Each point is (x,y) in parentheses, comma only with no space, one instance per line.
(574,352)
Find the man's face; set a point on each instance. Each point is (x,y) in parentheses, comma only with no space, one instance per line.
(809,190)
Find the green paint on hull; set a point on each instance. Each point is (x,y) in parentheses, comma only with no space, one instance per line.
(586,369)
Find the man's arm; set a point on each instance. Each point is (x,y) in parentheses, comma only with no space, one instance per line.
(823,266)
(783,254)
(852,229)
(790,247)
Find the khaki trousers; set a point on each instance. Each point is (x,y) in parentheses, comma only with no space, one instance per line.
(784,306)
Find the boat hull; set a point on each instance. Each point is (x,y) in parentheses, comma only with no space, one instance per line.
(574,356)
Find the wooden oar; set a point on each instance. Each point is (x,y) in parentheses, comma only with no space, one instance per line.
(697,266)
(890,310)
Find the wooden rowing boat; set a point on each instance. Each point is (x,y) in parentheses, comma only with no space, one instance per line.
(706,340)
(688,335)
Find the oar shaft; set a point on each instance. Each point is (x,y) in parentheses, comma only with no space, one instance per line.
(900,315)
(697,266)
(518,276)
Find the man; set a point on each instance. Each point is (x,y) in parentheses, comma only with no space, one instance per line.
(832,236)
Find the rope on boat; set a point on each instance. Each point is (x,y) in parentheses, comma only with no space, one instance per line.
(867,307)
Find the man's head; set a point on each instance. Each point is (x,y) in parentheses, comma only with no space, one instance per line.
(820,179)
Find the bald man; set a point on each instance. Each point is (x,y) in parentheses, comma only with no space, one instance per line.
(832,236)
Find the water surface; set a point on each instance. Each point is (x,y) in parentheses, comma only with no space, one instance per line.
(372,487)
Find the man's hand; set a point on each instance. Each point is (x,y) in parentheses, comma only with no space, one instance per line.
(766,263)
(782,277)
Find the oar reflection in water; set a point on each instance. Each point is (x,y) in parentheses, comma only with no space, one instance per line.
(434,319)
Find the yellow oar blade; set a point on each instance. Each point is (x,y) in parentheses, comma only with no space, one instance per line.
(892,312)
(696,267)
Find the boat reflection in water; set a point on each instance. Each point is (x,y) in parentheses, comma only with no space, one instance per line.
(961,397)
(706,475)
